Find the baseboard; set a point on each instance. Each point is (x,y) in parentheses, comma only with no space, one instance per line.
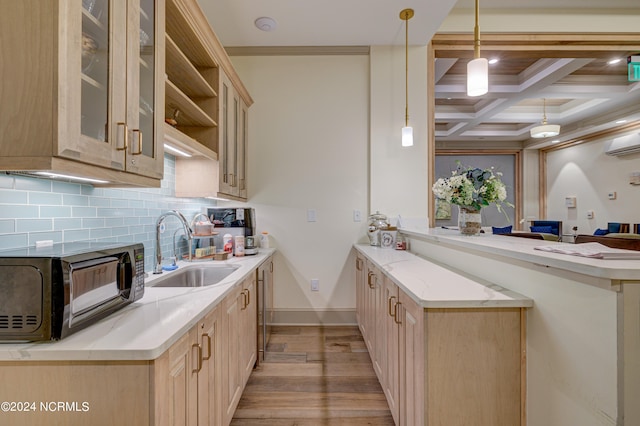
(314,317)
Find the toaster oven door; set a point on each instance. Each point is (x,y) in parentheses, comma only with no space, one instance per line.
(23,303)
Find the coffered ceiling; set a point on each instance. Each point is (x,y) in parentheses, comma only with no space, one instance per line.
(583,92)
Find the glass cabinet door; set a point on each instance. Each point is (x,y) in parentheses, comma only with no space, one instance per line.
(95,69)
(143,154)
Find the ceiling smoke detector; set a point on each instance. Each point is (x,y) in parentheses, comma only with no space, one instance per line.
(266,24)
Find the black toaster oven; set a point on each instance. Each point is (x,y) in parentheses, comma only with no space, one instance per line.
(47,293)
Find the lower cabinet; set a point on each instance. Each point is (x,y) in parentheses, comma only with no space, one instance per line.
(186,378)
(200,379)
(442,366)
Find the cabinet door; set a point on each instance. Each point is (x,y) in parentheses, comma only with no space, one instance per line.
(241,149)
(264,306)
(183,382)
(92,97)
(249,327)
(360,293)
(145,87)
(208,383)
(227,146)
(412,360)
(232,369)
(391,385)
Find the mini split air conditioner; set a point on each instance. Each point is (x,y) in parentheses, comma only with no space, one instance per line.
(625,145)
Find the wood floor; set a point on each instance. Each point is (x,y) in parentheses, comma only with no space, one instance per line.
(314,376)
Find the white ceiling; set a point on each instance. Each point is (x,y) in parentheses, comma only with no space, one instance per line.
(507,113)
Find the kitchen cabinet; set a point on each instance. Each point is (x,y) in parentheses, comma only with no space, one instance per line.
(192,81)
(84,89)
(441,366)
(360,289)
(187,377)
(239,324)
(209,104)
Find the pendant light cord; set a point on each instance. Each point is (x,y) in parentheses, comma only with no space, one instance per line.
(476,33)
(406,72)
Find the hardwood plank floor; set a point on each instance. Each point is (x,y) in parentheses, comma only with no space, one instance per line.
(314,376)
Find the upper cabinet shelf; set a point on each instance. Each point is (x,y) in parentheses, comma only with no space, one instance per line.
(192,80)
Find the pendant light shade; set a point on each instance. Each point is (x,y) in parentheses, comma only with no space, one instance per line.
(477,77)
(407,132)
(545,130)
(478,68)
(407,136)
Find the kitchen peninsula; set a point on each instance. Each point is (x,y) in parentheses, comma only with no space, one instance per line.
(583,332)
(155,362)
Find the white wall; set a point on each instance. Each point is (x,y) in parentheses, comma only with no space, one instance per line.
(398,175)
(308,148)
(586,172)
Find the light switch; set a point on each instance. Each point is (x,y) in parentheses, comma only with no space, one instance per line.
(315,284)
(311,215)
(590,214)
(357,215)
(612,195)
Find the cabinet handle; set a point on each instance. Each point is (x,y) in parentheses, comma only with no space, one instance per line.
(391,299)
(248,297)
(198,357)
(396,313)
(271,266)
(372,285)
(205,335)
(245,299)
(359,264)
(139,133)
(125,137)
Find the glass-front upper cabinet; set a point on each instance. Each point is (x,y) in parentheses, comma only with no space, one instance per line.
(119,89)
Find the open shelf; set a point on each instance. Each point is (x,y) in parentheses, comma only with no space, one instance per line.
(190,113)
(184,74)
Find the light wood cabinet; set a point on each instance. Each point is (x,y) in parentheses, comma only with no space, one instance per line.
(264,306)
(84,89)
(212,108)
(187,377)
(442,366)
(239,324)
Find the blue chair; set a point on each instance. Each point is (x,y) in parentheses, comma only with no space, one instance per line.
(555,225)
(617,227)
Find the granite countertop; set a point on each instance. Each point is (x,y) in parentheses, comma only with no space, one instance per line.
(435,286)
(144,329)
(523,249)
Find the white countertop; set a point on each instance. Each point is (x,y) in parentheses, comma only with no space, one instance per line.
(434,286)
(144,329)
(523,249)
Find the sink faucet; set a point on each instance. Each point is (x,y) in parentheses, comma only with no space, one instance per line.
(157,269)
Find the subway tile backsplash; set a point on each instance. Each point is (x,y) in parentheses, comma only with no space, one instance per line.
(33,209)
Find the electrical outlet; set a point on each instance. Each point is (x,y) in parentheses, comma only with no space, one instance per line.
(357,215)
(311,215)
(315,284)
(612,195)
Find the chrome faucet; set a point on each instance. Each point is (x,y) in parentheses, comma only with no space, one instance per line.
(157,269)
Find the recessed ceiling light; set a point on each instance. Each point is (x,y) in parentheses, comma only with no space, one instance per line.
(555,141)
(614,61)
(266,24)
(493,61)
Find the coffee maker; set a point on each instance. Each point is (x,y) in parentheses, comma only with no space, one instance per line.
(232,220)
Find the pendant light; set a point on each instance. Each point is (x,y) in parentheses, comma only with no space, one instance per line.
(545,130)
(407,132)
(478,68)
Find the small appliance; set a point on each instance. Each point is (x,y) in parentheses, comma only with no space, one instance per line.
(236,221)
(51,292)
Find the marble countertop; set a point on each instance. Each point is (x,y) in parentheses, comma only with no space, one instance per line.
(522,249)
(435,286)
(144,329)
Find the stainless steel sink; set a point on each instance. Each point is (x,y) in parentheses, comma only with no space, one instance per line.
(198,276)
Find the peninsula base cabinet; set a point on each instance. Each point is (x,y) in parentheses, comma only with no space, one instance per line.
(442,366)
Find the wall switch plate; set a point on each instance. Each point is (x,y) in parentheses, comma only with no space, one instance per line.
(311,215)
(315,284)
(570,202)
(590,214)
(357,215)
(612,195)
